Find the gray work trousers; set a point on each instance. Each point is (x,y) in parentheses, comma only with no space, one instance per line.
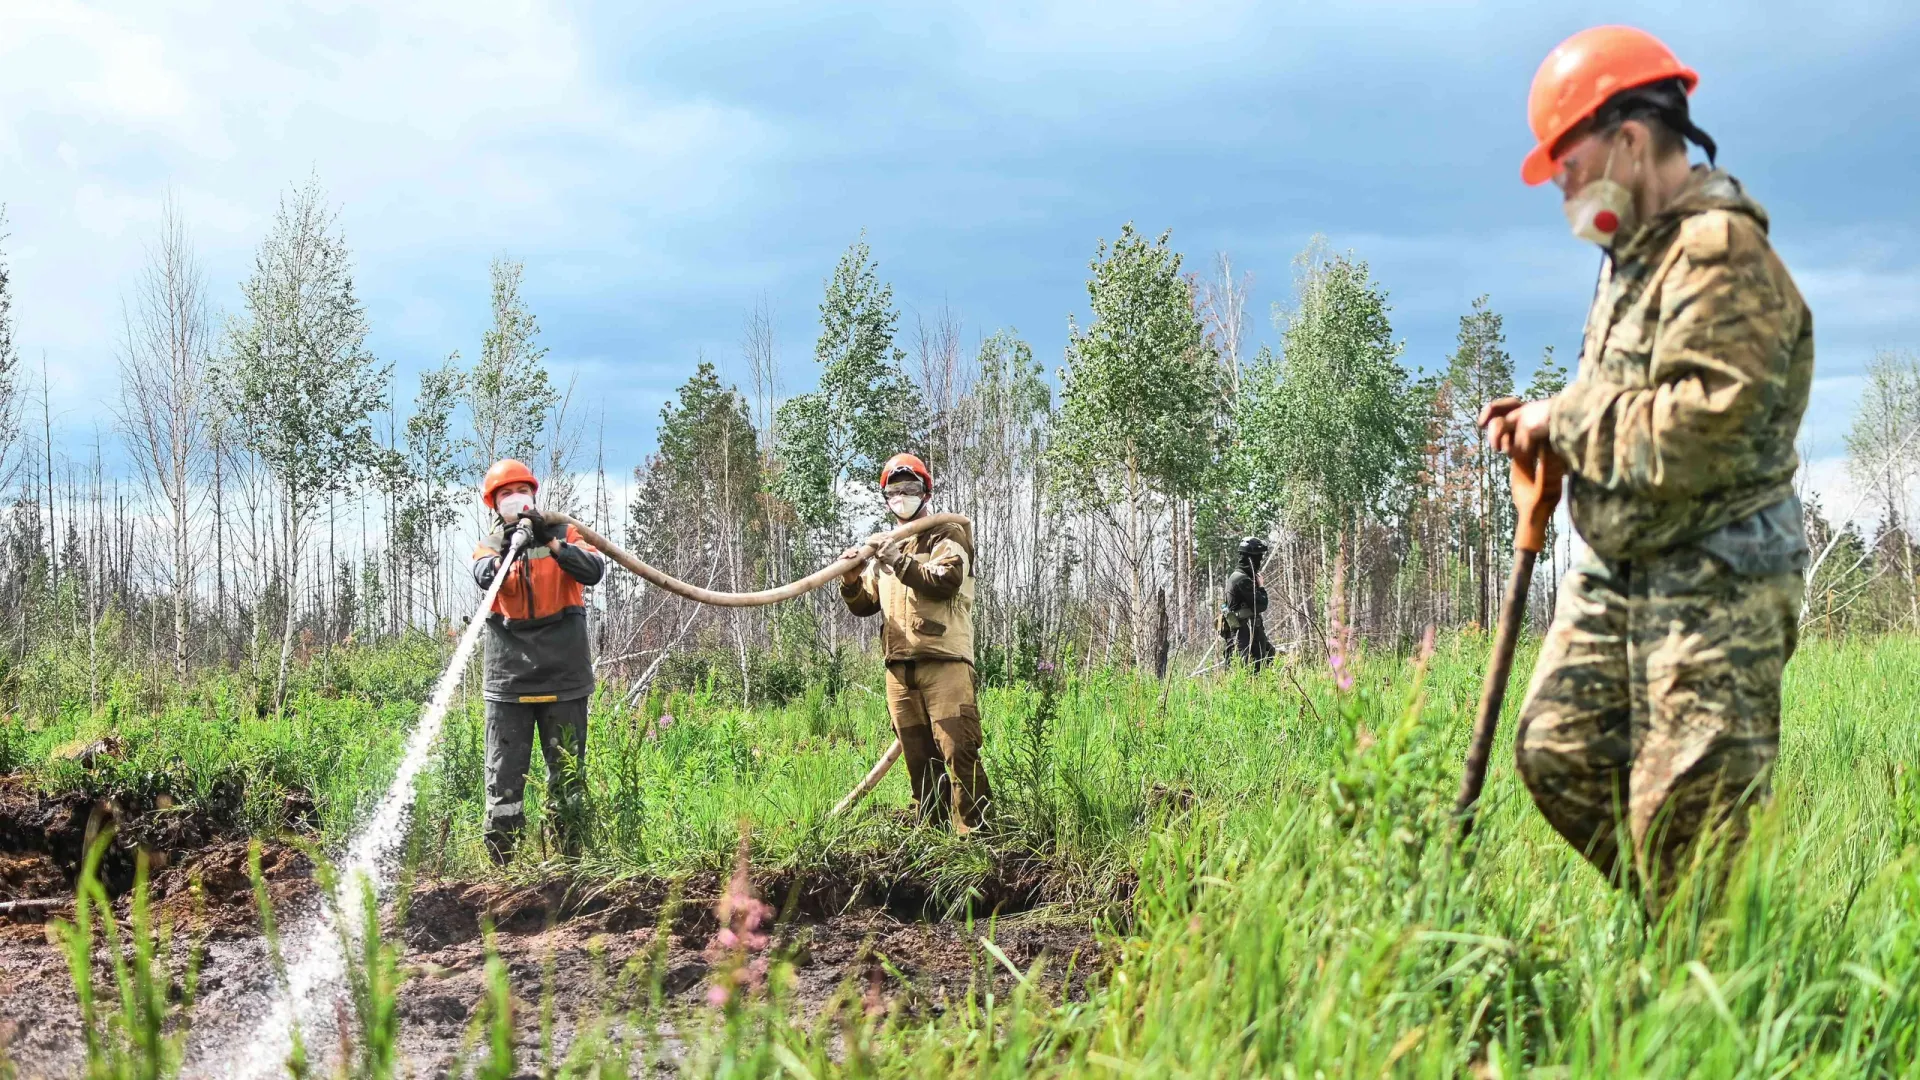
(562,728)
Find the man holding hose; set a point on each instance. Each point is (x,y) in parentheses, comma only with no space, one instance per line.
(1654,715)
(922,588)
(539,665)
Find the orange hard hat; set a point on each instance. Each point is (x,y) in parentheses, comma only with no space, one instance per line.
(503,472)
(906,461)
(1578,77)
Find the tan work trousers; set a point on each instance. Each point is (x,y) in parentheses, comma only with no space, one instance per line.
(937,719)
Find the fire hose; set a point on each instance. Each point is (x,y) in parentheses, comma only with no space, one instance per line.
(831,572)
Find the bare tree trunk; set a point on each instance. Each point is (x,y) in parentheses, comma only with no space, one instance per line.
(289,585)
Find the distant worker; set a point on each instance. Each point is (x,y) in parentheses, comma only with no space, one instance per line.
(1656,698)
(1241,626)
(539,666)
(922,588)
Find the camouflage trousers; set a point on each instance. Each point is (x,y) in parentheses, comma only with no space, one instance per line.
(1656,705)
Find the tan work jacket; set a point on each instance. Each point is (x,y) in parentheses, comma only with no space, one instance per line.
(925,601)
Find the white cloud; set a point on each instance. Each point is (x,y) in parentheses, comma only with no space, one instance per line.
(1825,481)
(448,131)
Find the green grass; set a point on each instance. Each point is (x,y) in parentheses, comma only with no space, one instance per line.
(1308,916)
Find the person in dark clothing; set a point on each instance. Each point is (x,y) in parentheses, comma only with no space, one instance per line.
(539,663)
(1240,622)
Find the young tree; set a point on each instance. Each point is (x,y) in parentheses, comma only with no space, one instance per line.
(1479,371)
(865,409)
(1140,391)
(1883,455)
(1003,434)
(300,383)
(697,490)
(1328,433)
(509,396)
(429,493)
(163,408)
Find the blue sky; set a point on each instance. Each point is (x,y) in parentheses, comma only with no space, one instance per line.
(660,167)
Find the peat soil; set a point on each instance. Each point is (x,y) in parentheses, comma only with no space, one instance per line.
(575,951)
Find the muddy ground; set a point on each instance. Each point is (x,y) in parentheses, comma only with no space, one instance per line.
(866,943)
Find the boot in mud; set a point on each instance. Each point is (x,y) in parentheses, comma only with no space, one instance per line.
(500,844)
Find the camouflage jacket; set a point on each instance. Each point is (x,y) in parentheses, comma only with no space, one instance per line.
(1694,376)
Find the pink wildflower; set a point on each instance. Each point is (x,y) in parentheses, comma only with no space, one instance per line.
(735,950)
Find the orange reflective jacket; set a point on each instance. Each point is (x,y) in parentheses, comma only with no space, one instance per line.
(536,586)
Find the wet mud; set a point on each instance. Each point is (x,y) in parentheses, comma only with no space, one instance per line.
(577,952)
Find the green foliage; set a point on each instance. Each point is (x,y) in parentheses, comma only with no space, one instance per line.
(865,409)
(509,395)
(299,385)
(1301,905)
(141,1036)
(1327,432)
(706,471)
(1549,377)
(1141,389)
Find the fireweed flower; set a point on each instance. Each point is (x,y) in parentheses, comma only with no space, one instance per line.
(738,949)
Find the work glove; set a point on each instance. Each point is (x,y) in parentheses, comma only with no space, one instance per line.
(536,525)
(1260,598)
(893,556)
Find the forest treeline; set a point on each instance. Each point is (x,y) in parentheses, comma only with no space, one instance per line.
(269,492)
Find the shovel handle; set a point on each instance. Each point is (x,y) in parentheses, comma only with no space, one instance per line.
(1535,480)
(1493,692)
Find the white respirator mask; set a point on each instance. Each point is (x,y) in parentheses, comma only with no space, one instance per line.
(1603,212)
(904,506)
(512,506)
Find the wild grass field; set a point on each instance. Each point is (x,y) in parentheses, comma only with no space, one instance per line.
(1234,875)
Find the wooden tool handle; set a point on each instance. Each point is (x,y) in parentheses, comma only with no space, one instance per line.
(1536,491)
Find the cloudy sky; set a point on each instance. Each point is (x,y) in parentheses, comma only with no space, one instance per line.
(660,167)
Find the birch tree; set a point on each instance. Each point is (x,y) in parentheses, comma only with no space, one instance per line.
(1139,395)
(865,409)
(509,396)
(1881,457)
(1329,432)
(302,384)
(163,411)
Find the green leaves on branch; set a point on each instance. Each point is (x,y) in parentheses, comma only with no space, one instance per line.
(1327,431)
(865,409)
(1141,387)
(301,385)
(707,468)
